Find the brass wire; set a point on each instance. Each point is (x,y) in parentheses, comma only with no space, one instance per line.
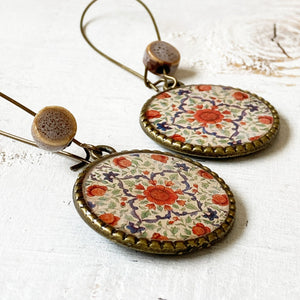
(147,82)
(90,150)
(82,29)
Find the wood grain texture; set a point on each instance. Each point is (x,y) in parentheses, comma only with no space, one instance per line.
(46,251)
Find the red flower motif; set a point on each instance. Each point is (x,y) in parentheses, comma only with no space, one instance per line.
(167,207)
(159,237)
(151,206)
(254,138)
(140,197)
(160,195)
(161,158)
(146,172)
(123,203)
(265,119)
(203,88)
(181,202)
(151,114)
(219,126)
(220,199)
(240,96)
(226,112)
(169,183)
(178,137)
(174,108)
(153,182)
(122,162)
(179,192)
(109,219)
(139,187)
(205,175)
(199,229)
(243,123)
(163,95)
(210,116)
(96,190)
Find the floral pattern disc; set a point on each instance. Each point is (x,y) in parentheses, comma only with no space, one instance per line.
(156,196)
(209,116)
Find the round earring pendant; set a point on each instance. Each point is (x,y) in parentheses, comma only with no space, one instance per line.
(210,121)
(154,202)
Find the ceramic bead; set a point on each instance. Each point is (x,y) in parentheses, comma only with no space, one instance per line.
(53,128)
(160,56)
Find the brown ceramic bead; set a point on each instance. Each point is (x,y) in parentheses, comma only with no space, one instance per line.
(160,56)
(53,128)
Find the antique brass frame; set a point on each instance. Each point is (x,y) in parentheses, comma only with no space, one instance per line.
(208,151)
(142,244)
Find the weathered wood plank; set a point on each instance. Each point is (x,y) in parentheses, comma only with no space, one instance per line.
(46,251)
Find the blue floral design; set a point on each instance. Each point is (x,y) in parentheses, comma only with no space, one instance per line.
(110,176)
(211,215)
(154,195)
(236,120)
(163,126)
(183,166)
(134,229)
(182,92)
(91,204)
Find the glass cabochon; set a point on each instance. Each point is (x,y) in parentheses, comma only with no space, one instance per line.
(210,120)
(155,202)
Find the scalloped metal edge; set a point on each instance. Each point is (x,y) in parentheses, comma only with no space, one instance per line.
(208,151)
(142,244)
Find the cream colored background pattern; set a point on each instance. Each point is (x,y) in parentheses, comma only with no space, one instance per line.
(124,185)
(236,120)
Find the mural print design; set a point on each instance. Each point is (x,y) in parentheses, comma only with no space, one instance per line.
(155,196)
(209,115)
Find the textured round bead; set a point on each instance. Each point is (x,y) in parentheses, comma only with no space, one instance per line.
(160,56)
(53,128)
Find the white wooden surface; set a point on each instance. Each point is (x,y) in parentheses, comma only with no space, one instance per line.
(46,250)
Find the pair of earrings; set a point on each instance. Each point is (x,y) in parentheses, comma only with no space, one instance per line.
(148,200)
(154,201)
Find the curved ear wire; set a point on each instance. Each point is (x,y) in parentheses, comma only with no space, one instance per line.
(91,151)
(147,82)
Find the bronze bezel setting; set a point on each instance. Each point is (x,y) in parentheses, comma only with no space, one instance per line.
(145,245)
(210,151)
